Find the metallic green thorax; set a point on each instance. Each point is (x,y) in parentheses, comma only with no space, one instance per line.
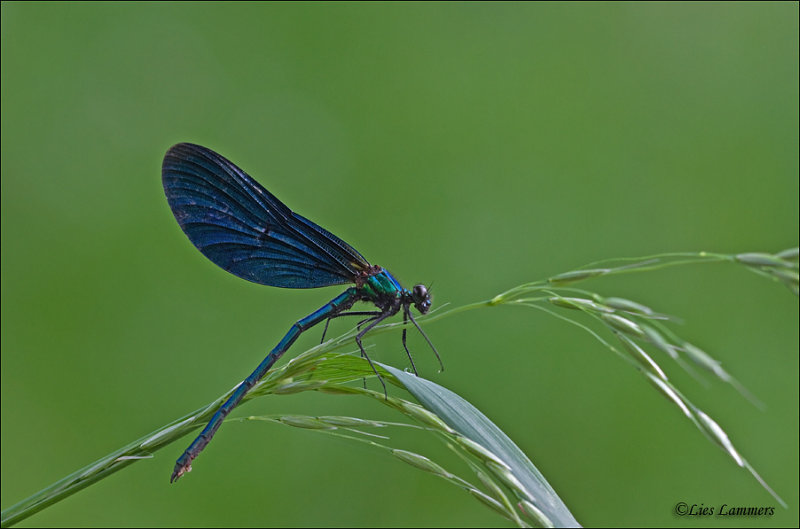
(380,285)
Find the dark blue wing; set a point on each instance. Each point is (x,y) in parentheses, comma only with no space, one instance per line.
(244,229)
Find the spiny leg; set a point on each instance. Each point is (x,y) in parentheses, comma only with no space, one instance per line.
(353,313)
(363,355)
(373,314)
(411,317)
(411,358)
(375,321)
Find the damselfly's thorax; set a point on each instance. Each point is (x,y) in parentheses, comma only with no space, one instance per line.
(381,288)
(366,274)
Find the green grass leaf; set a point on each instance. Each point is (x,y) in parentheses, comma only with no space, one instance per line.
(466,419)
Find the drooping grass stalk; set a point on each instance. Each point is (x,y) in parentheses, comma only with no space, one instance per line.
(502,471)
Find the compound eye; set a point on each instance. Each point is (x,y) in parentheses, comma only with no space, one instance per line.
(420,292)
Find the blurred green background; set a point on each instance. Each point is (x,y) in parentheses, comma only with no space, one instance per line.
(475,146)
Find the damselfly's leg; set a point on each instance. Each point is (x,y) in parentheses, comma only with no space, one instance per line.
(411,358)
(407,312)
(361,334)
(371,313)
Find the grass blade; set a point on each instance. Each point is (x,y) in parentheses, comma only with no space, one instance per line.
(474,425)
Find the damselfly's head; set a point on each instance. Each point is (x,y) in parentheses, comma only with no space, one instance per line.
(421,298)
